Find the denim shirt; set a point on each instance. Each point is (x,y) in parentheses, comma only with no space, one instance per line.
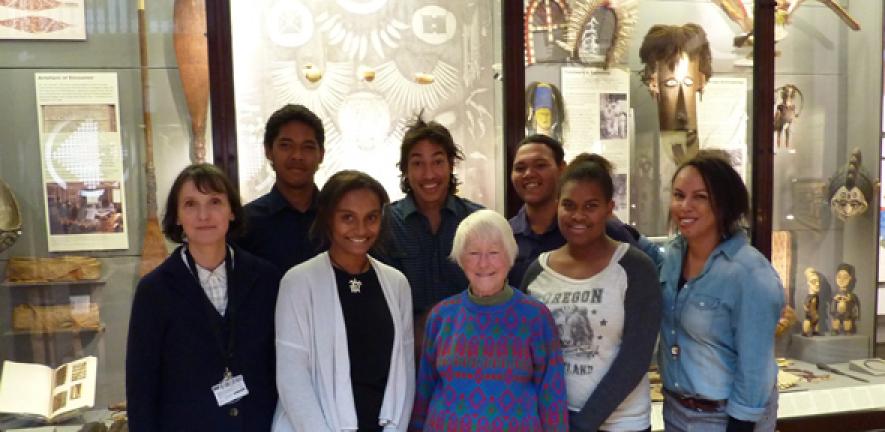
(717,334)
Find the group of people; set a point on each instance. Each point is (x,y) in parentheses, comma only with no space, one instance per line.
(335,310)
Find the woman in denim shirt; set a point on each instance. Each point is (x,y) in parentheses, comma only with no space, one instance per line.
(722,301)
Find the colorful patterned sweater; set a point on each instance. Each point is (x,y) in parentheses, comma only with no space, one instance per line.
(490,368)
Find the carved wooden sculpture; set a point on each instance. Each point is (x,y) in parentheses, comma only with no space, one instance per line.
(786,111)
(811,323)
(845,306)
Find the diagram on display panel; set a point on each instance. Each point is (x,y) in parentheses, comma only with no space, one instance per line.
(472,35)
(42,19)
(323,96)
(35,5)
(423,90)
(81,157)
(478,117)
(34,24)
(255,173)
(366,68)
(355,41)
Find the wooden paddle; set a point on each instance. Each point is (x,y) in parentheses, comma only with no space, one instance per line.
(192,53)
(153,249)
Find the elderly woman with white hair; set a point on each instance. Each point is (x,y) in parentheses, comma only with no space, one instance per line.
(491,357)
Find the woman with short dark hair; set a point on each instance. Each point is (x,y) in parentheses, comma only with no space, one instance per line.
(345,355)
(722,301)
(200,354)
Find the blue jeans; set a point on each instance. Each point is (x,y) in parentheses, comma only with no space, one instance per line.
(678,418)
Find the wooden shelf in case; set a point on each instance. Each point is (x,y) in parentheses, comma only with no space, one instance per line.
(48,346)
(81,282)
(72,331)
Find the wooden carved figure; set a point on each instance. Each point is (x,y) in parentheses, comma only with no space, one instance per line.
(811,323)
(786,111)
(677,65)
(845,307)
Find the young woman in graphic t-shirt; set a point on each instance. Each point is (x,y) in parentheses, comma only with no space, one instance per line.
(605,299)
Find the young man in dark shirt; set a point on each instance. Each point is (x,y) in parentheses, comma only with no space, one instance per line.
(422,225)
(537,165)
(279,221)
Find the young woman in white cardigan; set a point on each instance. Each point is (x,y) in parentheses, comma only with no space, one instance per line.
(344,341)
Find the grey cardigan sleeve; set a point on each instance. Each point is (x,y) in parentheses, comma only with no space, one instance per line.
(533,270)
(642,321)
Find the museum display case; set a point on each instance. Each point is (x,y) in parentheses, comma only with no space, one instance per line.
(602,57)
(593,79)
(77,79)
(108,101)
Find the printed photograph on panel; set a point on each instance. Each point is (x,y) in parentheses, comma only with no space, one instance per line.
(61,375)
(59,401)
(78,371)
(620,195)
(76,390)
(81,208)
(83,118)
(613,115)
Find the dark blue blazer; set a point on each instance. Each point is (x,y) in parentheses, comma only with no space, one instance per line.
(174,357)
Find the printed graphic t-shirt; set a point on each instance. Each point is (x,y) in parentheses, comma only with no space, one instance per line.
(589,315)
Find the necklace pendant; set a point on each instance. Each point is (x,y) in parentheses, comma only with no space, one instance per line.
(355,285)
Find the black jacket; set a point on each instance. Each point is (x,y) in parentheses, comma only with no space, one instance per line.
(174,355)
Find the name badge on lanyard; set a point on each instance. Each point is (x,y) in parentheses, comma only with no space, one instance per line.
(230,389)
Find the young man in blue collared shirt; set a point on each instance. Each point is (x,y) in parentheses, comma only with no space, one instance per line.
(279,221)
(422,225)
(537,165)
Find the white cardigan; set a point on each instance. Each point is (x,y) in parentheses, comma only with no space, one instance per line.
(313,368)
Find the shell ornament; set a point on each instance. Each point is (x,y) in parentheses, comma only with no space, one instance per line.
(10,217)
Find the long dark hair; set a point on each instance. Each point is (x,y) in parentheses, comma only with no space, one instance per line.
(728,194)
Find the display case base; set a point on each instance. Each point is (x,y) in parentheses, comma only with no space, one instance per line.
(829,349)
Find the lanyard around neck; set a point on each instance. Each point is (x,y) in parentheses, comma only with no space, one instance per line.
(212,314)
